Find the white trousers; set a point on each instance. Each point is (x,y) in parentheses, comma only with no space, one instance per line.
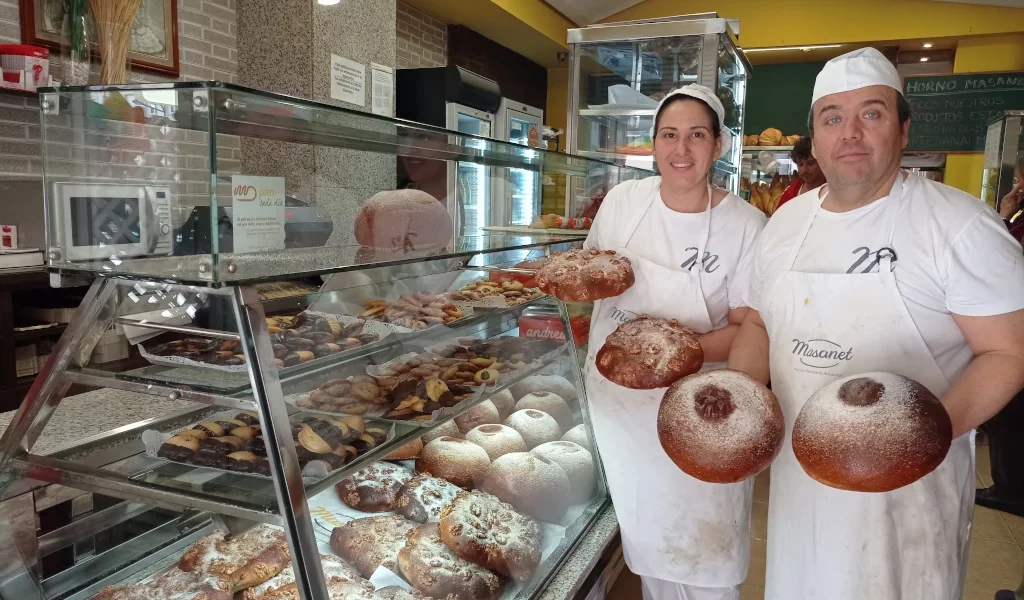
(659,589)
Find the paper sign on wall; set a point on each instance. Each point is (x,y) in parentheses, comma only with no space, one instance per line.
(348,80)
(382,89)
(257,215)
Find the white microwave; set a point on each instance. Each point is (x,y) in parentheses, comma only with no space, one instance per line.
(95,221)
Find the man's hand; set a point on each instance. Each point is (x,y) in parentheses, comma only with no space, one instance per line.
(1010,203)
(995,374)
(749,352)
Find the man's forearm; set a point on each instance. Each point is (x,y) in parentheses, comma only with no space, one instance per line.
(988,383)
(749,352)
(716,344)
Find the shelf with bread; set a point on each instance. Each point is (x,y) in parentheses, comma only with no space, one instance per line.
(321,339)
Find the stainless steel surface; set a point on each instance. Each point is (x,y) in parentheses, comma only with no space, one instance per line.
(634,30)
(90,525)
(197,331)
(284,463)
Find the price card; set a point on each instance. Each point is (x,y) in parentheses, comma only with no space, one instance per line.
(257,216)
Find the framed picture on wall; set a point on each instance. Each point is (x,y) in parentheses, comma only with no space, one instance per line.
(154,45)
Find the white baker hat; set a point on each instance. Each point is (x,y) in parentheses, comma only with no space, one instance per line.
(853,71)
(705,95)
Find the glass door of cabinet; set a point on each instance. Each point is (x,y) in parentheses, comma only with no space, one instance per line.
(518,192)
(469,183)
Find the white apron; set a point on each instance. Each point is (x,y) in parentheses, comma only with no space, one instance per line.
(674,527)
(908,544)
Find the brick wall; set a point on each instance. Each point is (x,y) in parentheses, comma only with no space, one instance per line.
(208,50)
(422,39)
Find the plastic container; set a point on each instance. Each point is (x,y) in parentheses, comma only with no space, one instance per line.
(33,60)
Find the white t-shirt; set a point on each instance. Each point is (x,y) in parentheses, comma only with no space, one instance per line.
(952,252)
(670,239)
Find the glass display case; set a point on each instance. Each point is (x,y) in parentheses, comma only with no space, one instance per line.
(1004,157)
(335,340)
(620,71)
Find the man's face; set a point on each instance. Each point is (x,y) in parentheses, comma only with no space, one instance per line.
(857,135)
(809,169)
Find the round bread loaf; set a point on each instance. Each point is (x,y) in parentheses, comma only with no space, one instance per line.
(436,570)
(648,353)
(403,220)
(578,465)
(871,433)
(585,275)
(422,498)
(720,426)
(455,460)
(551,403)
(482,414)
(532,484)
(555,384)
(373,488)
(409,450)
(448,428)
(579,435)
(504,402)
(497,440)
(488,532)
(535,426)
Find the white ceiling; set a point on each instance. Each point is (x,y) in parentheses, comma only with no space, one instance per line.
(1010,3)
(586,12)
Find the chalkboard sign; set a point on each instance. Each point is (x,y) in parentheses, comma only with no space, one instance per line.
(951,112)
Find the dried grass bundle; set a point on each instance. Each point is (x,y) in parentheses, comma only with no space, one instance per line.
(114,29)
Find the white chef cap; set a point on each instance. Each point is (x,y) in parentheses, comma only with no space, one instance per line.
(705,95)
(853,71)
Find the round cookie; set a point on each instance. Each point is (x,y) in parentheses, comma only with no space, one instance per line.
(423,498)
(532,484)
(875,432)
(648,353)
(436,570)
(535,426)
(497,440)
(457,461)
(551,403)
(720,426)
(578,465)
(373,488)
(579,435)
(585,275)
(488,532)
(481,414)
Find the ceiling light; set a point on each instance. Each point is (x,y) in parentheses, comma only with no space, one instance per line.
(927,45)
(783,48)
(924,59)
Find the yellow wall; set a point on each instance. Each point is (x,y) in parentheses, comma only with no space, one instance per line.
(556,111)
(989,53)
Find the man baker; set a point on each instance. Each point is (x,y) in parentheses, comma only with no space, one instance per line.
(879,270)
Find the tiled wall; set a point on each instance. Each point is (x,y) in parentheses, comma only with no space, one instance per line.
(422,39)
(207,42)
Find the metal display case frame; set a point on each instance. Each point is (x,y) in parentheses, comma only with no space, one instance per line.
(1004,148)
(114,463)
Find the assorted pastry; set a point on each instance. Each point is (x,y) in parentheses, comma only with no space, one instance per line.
(419,310)
(514,292)
(351,396)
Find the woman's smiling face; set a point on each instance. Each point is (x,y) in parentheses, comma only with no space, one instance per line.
(685,145)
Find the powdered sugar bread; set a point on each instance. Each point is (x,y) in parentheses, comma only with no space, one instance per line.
(497,440)
(373,488)
(648,353)
(370,542)
(578,435)
(546,383)
(532,484)
(402,220)
(504,402)
(448,428)
(874,432)
(436,570)
(334,569)
(458,461)
(720,426)
(423,498)
(481,414)
(585,275)
(409,450)
(488,532)
(578,465)
(536,427)
(550,403)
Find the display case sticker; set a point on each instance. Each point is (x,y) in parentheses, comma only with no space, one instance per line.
(348,80)
(257,215)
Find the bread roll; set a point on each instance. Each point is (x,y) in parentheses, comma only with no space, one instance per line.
(409,450)
(578,465)
(579,435)
(455,460)
(497,440)
(546,383)
(448,428)
(550,403)
(505,402)
(585,275)
(536,427)
(648,353)
(482,414)
(403,220)
(532,484)
(770,137)
(875,432)
(720,426)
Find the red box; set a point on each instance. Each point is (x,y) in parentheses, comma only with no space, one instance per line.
(550,328)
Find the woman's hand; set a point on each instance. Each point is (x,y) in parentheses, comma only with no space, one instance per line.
(1010,203)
